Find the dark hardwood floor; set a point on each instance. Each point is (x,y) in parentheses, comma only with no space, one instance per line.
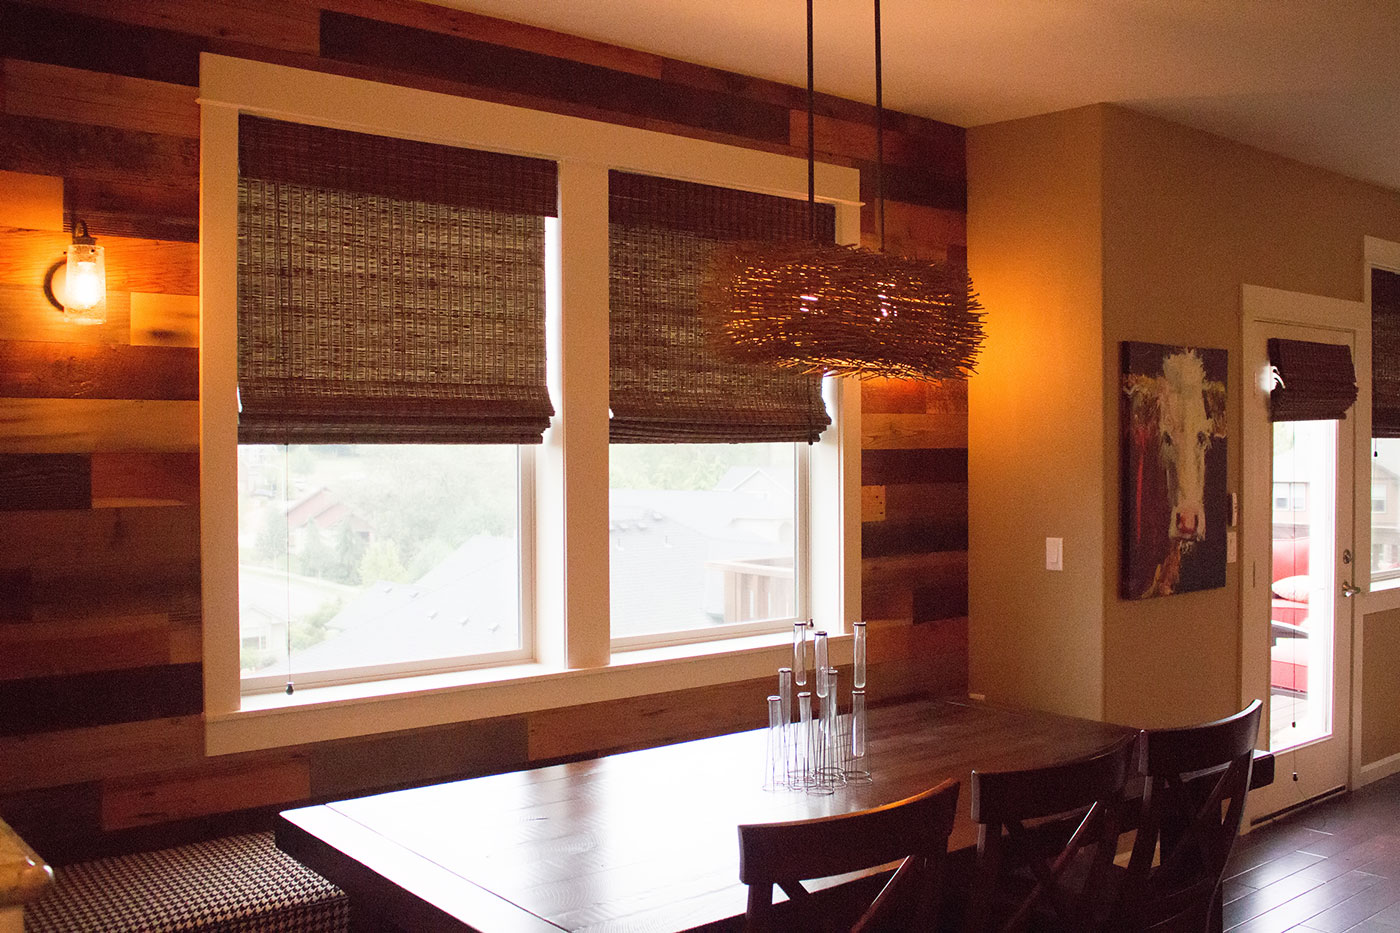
(1331,868)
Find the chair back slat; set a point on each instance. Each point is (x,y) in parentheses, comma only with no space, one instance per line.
(1197,779)
(1046,842)
(913,832)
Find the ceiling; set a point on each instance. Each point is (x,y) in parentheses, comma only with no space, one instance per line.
(1316,80)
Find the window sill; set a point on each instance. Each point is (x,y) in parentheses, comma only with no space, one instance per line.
(272,720)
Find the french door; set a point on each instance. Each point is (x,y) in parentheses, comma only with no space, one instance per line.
(1300,561)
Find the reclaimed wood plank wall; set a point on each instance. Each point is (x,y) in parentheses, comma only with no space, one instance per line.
(101,737)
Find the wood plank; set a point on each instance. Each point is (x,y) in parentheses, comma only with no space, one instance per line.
(890,467)
(218,786)
(372,763)
(902,568)
(36,369)
(856,139)
(45,481)
(26,315)
(520,36)
(53,819)
(52,704)
(274,24)
(56,92)
(916,230)
(639,722)
(914,185)
(893,396)
(135,542)
(60,648)
(912,536)
(164,320)
(29,200)
(902,432)
(156,476)
(77,40)
(133,264)
(139,209)
(368,42)
(872,503)
(926,500)
(82,425)
(893,603)
(55,147)
(940,599)
(172,589)
(96,752)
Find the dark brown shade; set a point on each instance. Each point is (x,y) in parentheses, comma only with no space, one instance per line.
(388,290)
(1385,353)
(667,383)
(1315,381)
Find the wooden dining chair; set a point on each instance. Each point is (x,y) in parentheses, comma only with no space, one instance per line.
(1046,841)
(1193,801)
(913,832)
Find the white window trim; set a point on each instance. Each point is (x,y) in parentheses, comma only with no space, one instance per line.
(574,662)
(1382,590)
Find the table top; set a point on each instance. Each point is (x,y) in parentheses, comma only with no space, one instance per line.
(644,840)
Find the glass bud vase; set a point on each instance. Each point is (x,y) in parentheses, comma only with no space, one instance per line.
(858,770)
(774,753)
(821,659)
(858,673)
(799,653)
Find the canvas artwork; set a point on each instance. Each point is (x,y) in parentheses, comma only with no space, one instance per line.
(1175,506)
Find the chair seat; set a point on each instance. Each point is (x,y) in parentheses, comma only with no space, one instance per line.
(238,884)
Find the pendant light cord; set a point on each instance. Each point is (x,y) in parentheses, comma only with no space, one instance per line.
(879,128)
(811,137)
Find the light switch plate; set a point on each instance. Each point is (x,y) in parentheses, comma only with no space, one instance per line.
(1054,553)
(1232,546)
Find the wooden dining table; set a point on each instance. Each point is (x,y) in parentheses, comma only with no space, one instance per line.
(644,840)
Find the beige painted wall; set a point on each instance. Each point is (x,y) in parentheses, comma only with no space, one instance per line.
(1087,228)
(1188,218)
(1036,432)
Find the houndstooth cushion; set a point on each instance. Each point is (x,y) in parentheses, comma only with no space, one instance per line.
(240,884)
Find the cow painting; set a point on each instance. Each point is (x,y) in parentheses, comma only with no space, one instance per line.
(1174,501)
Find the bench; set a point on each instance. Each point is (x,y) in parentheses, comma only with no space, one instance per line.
(237,884)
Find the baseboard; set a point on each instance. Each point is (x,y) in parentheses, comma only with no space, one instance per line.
(1376,770)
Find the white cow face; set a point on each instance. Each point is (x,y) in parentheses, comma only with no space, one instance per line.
(1185,436)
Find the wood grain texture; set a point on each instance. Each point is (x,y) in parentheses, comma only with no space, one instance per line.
(274,24)
(520,36)
(164,320)
(888,467)
(78,39)
(370,42)
(77,150)
(82,646)
(872,503)
(927,500)
(58,593)
(137,208)
(72,425)
(916,230)
(912,536)
(26,315)
(235,783)
(903,432)
(92,753)
(139,542)
(159,477)
(35,369)
(361,765)
(76,95)
(71,701)
(45,481)
(133,264)
(28,200)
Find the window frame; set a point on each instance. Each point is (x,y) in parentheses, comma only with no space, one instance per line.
(566,576)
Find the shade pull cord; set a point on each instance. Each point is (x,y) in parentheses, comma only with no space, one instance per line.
(811,136)
(879,128)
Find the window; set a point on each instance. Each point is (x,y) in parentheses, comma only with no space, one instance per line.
(1290,497)
(1384,289)
(1378,497)
(405,522)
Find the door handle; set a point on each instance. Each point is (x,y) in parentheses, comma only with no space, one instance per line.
(1348,590)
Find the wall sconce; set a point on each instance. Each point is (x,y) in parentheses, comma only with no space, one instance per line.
(84,299)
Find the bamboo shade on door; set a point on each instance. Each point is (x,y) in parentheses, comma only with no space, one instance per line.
(1316,381)
(1385,353)
(388,290)
(668,384)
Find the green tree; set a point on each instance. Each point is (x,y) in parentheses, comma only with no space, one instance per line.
(271,541)
(311,628)
(381,562)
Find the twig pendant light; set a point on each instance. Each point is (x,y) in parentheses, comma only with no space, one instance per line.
(843,310)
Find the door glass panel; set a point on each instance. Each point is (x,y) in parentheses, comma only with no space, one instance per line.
(1303,584)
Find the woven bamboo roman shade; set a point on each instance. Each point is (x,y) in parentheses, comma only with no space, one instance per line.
(388,290)
(668,385)
(1385,353)
(1316,381)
